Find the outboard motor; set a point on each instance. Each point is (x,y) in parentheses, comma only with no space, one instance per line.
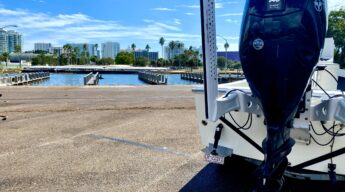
(280,46)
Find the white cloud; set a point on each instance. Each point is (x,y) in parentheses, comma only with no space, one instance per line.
(190,14)
(232,21)
(80,28)
(228,38)
(230,14)
(39,1)
(177,22)
(335,4)
(8,12)
(219,5)
(163,25)
(190,6)
(163,9)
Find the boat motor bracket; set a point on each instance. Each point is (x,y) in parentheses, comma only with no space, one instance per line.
(236,101)
(330,110)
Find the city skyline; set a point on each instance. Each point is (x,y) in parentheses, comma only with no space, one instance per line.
(65,22)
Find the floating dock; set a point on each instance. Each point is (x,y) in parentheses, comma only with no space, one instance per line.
(23,79)
(153,78)
(92,79)
(222,78)
(93,69)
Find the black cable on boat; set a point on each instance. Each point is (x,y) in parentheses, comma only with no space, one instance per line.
(321,88)
(249,120)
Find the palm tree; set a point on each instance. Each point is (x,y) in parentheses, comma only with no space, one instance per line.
(18,49)
(133,46)
(83,54)
(68,50)
(6,57)
(96,46)
(76,55)
(172,46)
(161,42)
(180,45)
(226,46)
(148,50)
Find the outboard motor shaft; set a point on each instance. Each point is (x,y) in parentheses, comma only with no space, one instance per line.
(280,46)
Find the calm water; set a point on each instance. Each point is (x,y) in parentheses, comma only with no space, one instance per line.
(109,79)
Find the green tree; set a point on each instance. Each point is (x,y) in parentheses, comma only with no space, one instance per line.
(76,55)
(336,30)
(84,54)
(180,45)
(2,58)
(141,61)
(62,59)
(193,58)
(133,46)
(18,50)
(6,57)
(124,58)
(94,59)
(161,42)
(147,48)
(221,62)
(162,62)
(106,61)
(181,60)
(172,46)
(226,47)
(68,49)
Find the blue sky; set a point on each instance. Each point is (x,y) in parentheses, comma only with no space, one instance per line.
(135,21)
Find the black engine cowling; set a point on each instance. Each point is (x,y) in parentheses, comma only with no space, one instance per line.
(279,48)
(280,45)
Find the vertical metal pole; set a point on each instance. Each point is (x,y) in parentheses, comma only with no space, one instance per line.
(209,49)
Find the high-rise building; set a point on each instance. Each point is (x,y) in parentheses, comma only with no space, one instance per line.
(14,39)
(110,49)
(152,56)
(170,54)
(43,47)
(3,41)
(9,40)
(56,51)
(91,49)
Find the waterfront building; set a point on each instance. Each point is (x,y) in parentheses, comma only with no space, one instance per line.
(171,54)
(56,51)
(230,55)
(43,47)
(3,41)
(152,56)
(90,48)
(110,49)
(14,39)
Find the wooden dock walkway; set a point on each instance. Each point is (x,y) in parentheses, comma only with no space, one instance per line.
(92,79)
(23,79)
(153,78)
(222,78)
